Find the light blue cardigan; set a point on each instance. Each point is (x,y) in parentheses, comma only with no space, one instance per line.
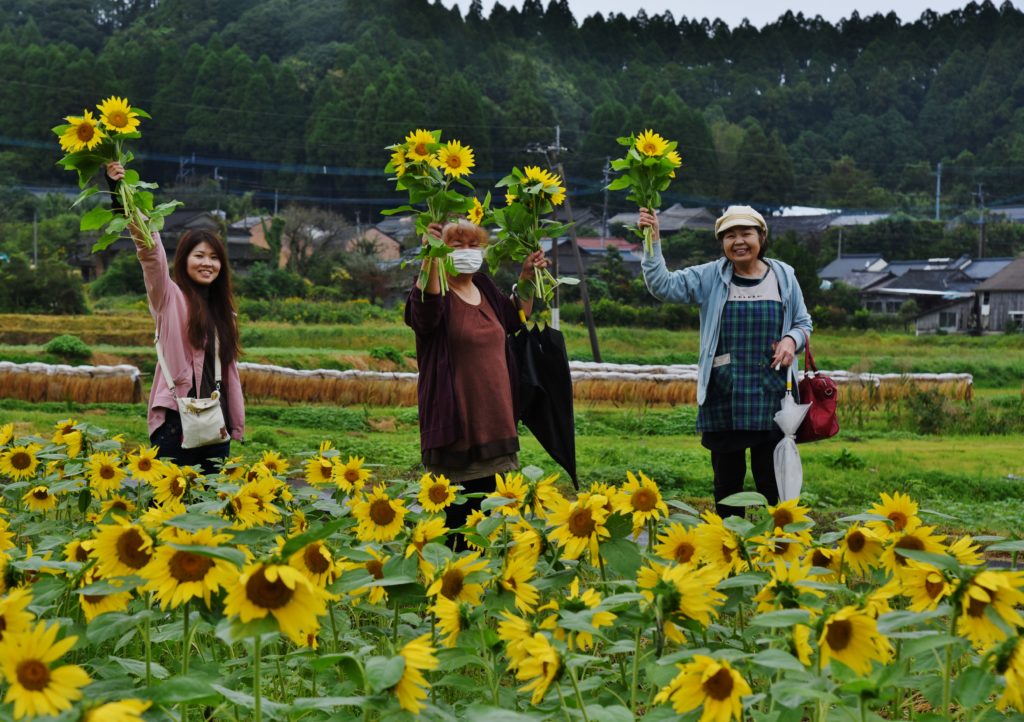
(708,285)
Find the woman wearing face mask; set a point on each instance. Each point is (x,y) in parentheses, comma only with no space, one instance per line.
(193,312)
(753,321)
(467,385)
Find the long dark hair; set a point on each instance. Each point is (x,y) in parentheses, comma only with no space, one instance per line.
(218,306)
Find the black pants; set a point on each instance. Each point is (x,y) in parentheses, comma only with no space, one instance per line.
(730,468)
(168,437)
(456,514)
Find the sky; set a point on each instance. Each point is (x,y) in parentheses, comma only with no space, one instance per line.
(758,12)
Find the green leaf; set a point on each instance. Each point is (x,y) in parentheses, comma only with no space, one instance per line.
(745,498)
(485,713)
(616,713)
(622,557)
(620,183)
(104,587)
(95,219)
(247,701)
(137,668)
(313,535)
(1007,546)
(327,704)
(87,193)
(192,522)
(781,618)
(914,647)
(113,624)
(777,659)
(496,502)
(747,579)
(232,629)
(131,177)
(973,686)
(141,113)
(383,673)
(181,690)
(939,561)
(228,554)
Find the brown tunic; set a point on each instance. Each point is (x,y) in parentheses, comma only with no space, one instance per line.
(488,440)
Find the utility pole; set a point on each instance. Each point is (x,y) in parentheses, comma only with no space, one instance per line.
(551,153)
(980,197)
(275,201)
(35,238)
(606,178)
(938,188)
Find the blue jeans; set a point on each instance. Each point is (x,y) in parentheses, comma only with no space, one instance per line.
(168,437)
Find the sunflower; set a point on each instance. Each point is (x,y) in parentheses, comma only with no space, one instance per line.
(677,543)
(475,517)
(476,213)
(641,498)
(93,605)
(455,582)
(319,470)
(105,475)
(924,585)
(117,115)
(851,636)
(800,644)
(39,498)
(510,486)
(6,434)
(540,666)
(914,537)
(543,495)
(514,632)
(452,618)
(19,462)
(966,552)
(82,133)
(712,683)
(78,550)
(66,433)
(117,504)
(412,687)
(35,687)
(351,476)
(899,509)
(380,517)
(375,568)
(519,570)
(420,145)
(14,615)
(144,465)
(234,469)
(422,534)
(579,526)
(682,592)
(455,159)
(436,493)
(510,198)
(651,144)
(171,485)
(6,535)
(274,462)
(316,562)
(861,549)
(576,602)
(719,547)
(398,161)
(779,545)
(788,588)
(1010,664)
(990,596)
(177,575)
(282,592)
(122,549)
(127,710)
(535,174)
(788,512)
(676,161)
(528,541)
(824,558)
(253,504)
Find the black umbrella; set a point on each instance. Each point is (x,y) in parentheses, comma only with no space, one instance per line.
(545,393)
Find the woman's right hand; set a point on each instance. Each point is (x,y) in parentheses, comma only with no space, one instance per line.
(434,229)
(115,171)
(649,219)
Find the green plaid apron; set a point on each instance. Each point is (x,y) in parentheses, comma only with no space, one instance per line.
(745,393)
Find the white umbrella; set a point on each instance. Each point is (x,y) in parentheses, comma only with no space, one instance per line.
(789,471)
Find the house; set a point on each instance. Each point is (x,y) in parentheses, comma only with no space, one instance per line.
(929,288)
(956,316)
(592,252)
(1001,298)
(385,247)
(401,228)
(672,219)
(842,268)
(1013,214)
(802,225)
(845,220)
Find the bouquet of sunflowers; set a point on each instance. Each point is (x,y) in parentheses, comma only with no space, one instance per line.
(427,169)
(530,193)
(91,142)
(648,168)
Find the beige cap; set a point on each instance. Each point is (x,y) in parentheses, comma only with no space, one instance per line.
(740,216)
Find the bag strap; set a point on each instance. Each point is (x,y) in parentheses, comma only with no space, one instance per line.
(809,364)
(167,375)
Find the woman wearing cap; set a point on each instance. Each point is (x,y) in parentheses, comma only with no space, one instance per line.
(467,384)
(753,321)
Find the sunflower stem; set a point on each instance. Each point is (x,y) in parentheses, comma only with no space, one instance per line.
(579,697)
(636,672)
(334,628)
(256,694)
(146,642)
(947,677)
(561,697)
(185,646)
(394,631)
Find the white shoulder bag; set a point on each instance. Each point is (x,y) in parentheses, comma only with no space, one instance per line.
(202,420)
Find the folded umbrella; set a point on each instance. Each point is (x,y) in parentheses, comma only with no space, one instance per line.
(789,470)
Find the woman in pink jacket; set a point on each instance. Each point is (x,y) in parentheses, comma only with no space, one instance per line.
(191,312)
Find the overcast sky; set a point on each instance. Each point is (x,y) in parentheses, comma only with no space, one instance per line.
(758,12)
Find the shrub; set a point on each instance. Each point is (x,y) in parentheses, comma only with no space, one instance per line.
(122,277)
(69,348)
(387,353)
(52,286)
(264,282)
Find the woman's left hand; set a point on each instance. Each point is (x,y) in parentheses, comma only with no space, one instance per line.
(533,261)
(785,352)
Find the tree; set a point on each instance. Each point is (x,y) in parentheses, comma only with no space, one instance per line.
(308,232)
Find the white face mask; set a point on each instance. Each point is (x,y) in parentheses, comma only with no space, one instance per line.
(467,260)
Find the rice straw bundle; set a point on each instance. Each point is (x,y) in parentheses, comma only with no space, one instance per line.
(351,387)
(38,382)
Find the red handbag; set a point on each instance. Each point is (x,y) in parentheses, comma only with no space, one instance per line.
(820,392)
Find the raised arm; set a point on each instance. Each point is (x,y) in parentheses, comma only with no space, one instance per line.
(682,286)
(153,260)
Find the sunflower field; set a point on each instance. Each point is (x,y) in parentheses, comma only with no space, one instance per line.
(308,589)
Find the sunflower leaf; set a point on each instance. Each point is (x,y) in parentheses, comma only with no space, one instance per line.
(181,690)
(192,521)
(313,535)
(939,561)
(745,498)
(95,219)
(87,193)
(781,618)
(383,673)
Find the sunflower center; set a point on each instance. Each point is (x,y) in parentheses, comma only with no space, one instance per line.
(839,634)
(856,541)
(131,550)
(644,500)
(189,567)
(934,588)
(21,460)
(177,486)
(650,148)
(782,517)
(33,675)
(719,685)
(41,494)
(420,149)
(977,608)
(81,555)
(145,464)
(899,520)
(451,583)
(908,542)
(684,552)
(727,553)
(118,119)
(94,598)
(265,593)
(326,469)
(107,472)
(3,625)
(119,505)
(581,523)
(381,512)
(376,568)
(85,132)
(316,559)
(352,476)
(820,559)
(780,547)
(438,493)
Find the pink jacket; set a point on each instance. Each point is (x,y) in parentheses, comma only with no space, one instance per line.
(170,310)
